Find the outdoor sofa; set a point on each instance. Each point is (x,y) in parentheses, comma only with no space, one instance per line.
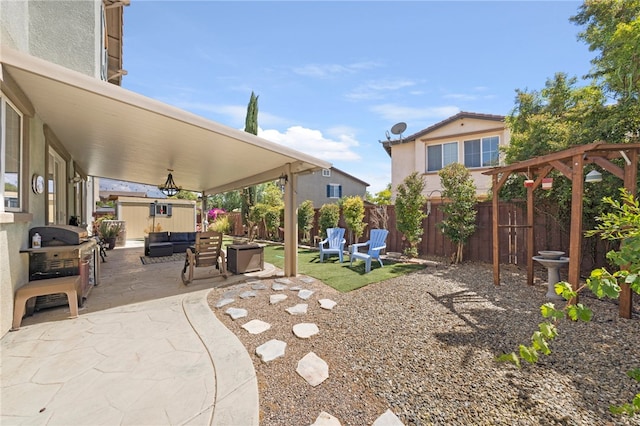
(167,243)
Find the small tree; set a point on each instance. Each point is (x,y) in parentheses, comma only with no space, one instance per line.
(269,211)
(379,217)
(410,211)
(353,212)
(306,215)
(329,217)
(460,213)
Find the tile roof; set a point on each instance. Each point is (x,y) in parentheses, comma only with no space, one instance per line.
(462,114)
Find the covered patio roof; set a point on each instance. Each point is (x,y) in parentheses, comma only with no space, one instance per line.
(115,133)
(112,132)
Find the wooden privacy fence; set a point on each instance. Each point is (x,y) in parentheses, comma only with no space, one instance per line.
(549,235)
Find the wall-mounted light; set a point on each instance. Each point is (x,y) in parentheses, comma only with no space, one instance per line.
(282,180)
(169,188)
(75,179)
(593,176)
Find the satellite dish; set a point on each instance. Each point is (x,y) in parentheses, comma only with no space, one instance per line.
(398,128)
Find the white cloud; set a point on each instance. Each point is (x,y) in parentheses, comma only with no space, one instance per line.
(313,142)
(375,89)
(393,112)
(328,70)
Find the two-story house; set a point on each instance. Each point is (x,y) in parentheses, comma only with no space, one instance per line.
(467,138)
(327,186)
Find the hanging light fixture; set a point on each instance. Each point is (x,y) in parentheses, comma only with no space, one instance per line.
(593,176)
(169,188)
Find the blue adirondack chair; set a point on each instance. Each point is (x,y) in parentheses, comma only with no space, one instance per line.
(333,244)
(376,243)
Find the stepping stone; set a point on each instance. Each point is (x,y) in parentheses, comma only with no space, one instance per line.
(305,294)
(326,419)
(271,350)
(222,302)
(278,287)
(276,298)
(327,304)
(247,294)
(305,330)
(299,309)
(388,419)
(230,294)
(258,286)
(256,326)
(296,288)
(313,369)
(286,281)
(236,313)
(252,280)
(307,280)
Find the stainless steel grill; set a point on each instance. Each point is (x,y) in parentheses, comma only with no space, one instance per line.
(58,258)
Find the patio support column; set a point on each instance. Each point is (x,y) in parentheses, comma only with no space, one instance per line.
(205,213)
(575,234)
(290,225)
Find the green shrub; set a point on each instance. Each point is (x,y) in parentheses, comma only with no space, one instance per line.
(306,215)
(221,224)
(329,218)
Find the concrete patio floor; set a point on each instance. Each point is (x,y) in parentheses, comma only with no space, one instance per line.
(145,350)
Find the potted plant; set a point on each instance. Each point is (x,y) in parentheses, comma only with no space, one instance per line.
(109,232)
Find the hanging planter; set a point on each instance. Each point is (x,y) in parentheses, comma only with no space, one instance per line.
(547,183)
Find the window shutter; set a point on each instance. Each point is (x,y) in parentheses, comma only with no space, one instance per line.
(152,209)
(339,191)
(169,208)
(328,191)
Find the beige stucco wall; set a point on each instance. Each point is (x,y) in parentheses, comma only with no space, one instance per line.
(134,212)
(14,268)
(412,156)
(66,33)
(63,32)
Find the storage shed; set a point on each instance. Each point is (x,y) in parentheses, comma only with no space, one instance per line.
(142,215)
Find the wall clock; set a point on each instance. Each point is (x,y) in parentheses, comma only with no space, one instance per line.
(37,184)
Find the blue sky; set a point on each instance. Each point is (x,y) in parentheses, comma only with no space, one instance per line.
(333,77)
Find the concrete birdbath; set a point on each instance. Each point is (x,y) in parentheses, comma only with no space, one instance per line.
(553,261)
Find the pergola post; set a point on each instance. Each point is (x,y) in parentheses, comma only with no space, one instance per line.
(496,237)
(530,235)
(630,183)
(575,234)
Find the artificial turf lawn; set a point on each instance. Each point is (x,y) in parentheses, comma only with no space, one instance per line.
(338,275)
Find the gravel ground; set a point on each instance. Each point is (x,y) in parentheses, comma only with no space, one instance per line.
(424,345)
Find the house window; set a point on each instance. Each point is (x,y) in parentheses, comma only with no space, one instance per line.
(11,150)
(481,152)
(334,190)
(439,156)
(326,173)
(56,189)
(158,209)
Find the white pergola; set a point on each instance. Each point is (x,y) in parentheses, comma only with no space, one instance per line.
(115,133)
